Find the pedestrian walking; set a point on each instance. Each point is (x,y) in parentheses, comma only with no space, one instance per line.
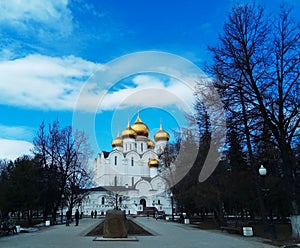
(92,214)
(76,217)
(95,214)
(68,217)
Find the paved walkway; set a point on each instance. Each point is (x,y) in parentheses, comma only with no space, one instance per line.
(168,234)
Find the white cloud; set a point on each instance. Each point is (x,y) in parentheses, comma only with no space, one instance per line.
(11,132)
(53,83)
(12,149)
(144,90)
(37,16)
(150,91)
(43,82)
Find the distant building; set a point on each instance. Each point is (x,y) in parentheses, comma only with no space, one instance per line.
(129,176)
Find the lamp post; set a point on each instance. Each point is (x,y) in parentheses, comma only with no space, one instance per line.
(80,207)
(172,204)
(62,206)
(117,201)
(263,172)
(154,210)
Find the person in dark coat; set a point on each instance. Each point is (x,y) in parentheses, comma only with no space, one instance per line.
(92,214)
(95,213)
(76,217)
(68,217)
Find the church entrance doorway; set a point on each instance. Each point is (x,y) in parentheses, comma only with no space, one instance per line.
(143,202)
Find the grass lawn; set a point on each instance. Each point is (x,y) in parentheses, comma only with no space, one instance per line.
(284,232)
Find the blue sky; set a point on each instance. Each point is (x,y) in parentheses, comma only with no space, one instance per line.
(49,50)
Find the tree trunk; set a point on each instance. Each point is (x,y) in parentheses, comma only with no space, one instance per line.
(219,215)
(29,219)
(295,219)
(290,188)
(295,223)
(45,213)
(18,216)
(54,210)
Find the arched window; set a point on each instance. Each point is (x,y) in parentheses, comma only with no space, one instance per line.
(116,160)
(115,180)
(103,200)
(132,161)
(142,147)
(132,181)
(158,202)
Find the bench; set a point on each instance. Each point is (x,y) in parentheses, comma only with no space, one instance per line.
(5,229)
(235,226)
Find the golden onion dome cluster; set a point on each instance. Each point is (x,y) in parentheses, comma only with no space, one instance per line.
(140,129)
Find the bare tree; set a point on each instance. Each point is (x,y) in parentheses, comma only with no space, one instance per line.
(258,65)
(116,198)
(66,156)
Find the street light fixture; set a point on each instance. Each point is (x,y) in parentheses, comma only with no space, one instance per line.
(263,172)
(172,204)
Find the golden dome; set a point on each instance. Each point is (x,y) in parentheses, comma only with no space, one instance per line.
(161,135)
(117,142)
(153,163)
(140,128)
(128,133)
(150,143)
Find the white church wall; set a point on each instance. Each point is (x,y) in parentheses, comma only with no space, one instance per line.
(148,155)
(141,144)
(160,146)
(159,183)
(143,187)
(132,159)
(128,145)
(115,158)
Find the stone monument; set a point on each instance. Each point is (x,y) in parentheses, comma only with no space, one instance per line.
(115,224)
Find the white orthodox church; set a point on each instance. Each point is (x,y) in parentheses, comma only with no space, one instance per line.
(129,177)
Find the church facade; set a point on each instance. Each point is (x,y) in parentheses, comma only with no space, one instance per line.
(130,177)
